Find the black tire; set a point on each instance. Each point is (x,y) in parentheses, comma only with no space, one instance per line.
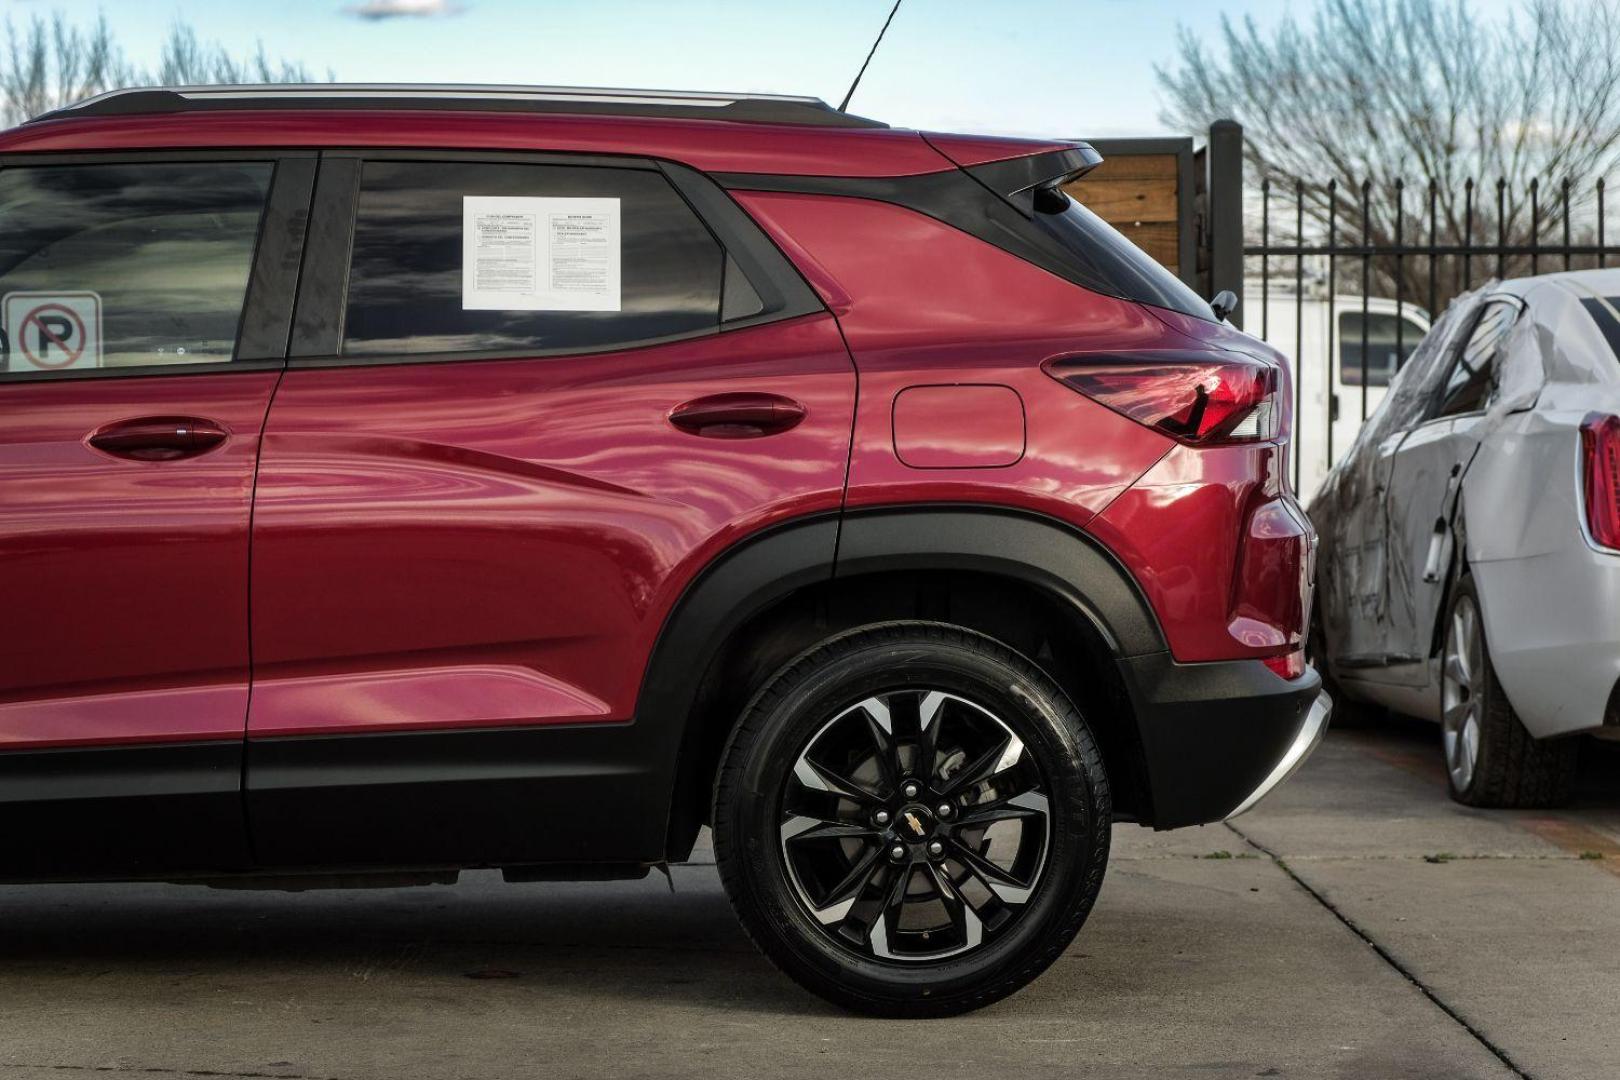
(1511,768)
(974,674)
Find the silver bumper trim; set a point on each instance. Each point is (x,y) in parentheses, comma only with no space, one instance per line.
(1310,734)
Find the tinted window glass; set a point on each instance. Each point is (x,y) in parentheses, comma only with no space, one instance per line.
(1101,252)
(406,277)
(1603,313)
(125,265)
(1472,376)
(1384,354)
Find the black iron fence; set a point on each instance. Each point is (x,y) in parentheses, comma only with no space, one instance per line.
(1345,278)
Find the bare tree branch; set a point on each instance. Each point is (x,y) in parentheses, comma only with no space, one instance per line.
(46,65)
(1420,91)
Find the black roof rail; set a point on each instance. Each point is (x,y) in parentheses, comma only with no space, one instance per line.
(759,108)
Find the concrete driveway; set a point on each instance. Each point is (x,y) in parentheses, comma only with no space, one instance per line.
(1358,924)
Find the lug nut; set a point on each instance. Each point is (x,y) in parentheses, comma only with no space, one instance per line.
(897,853)
(910,789)
(881,817)
(936,849)
(945,810)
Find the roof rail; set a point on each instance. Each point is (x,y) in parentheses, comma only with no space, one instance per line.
(759,108)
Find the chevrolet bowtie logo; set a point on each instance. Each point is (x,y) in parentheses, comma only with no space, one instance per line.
(916,825)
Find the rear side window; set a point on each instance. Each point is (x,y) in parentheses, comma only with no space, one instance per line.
(125,265)
(1103,255)
(1473,376)
(480,257)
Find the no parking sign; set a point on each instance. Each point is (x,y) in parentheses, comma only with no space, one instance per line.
(52,331)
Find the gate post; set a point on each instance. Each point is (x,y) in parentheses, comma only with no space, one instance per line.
(1226,211)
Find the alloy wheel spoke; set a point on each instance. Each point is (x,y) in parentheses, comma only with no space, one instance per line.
(966,921)
(1455,714)
(880,727)
(820,778)
(842,896)
(894,901)
(1006,887)
(1459,648)
(930,717)
(1025,804)
(1457,668)
(799,827)
(1002,756)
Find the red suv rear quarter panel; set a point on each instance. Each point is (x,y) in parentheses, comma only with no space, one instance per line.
(932,305)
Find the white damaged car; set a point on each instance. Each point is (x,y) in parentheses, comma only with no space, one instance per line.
(1469,568)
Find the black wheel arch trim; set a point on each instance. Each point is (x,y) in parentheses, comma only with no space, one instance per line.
(743,582)
(1032,547)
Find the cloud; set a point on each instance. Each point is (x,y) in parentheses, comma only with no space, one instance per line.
(377,10)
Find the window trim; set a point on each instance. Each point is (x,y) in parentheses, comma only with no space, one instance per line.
(323,290)
(266,316)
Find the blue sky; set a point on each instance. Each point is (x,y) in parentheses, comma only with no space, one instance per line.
(1077,68)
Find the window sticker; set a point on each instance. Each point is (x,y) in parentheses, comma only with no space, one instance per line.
(521,253)
(51,331)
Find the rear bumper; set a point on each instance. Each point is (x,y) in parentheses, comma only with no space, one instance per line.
(1218,737)
(1309,736)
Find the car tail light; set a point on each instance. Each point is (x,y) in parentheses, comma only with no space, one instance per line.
(1290,666)
(1196,397)
(1271,593)
(1600,446)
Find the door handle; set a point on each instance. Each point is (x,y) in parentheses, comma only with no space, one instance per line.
(158,438)
(737,415)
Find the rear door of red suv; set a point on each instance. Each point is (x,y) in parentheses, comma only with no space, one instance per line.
(145,300)
(530,397)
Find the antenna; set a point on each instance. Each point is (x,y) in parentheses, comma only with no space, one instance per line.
(845,104)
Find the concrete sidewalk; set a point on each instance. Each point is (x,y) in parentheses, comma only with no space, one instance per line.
(1313,939)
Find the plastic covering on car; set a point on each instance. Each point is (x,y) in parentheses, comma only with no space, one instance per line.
(1377,595)
(1556,366)
(1357,568)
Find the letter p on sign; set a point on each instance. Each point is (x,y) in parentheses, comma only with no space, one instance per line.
(51,331)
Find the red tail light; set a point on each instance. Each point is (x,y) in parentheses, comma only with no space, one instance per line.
(1290,666)
(1196,397)
(1600,446)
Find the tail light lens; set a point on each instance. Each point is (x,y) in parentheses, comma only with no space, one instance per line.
(1290,666)
(1600,448)
(1198,398)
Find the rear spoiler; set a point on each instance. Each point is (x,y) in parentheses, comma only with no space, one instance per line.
(1018,179)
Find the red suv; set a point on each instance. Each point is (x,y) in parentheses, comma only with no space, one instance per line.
(397,480)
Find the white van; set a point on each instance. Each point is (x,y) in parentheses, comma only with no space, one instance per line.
(1325,329)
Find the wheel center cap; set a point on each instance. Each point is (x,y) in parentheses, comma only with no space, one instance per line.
(915,822)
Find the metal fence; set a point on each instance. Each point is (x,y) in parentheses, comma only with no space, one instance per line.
(1359,253)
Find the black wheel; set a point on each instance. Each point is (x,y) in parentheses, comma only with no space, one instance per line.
(1491,760)
(912,820)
